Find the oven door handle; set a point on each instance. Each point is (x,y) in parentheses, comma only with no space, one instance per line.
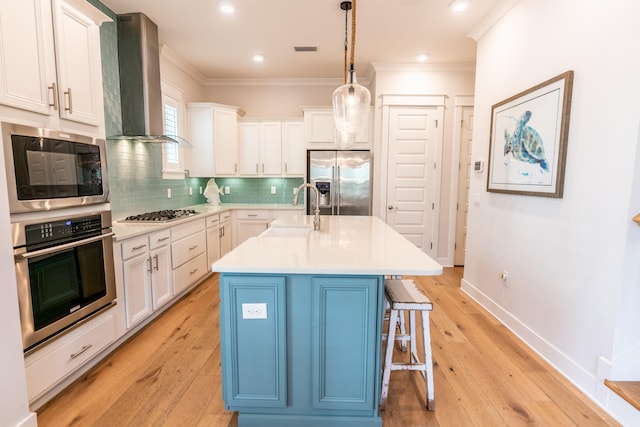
(59,248)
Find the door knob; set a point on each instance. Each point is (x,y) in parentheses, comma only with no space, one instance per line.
(390,207)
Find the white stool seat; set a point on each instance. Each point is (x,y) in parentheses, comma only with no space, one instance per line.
(403,295)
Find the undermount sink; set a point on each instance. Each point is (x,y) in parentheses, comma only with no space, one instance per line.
(287,232)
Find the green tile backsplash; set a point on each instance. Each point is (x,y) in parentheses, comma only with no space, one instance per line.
(135,167)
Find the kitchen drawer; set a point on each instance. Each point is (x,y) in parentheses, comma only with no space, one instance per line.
(225,217)
(213,220)
(187,248)
(135,246)
(55,361)
(183,230)
(259,214)
(159,238)
(189,273)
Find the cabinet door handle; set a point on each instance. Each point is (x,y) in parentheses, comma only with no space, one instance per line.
(70,104)
(149,264)
(256,168)
(54,95)
(285,168)
(82,350)
(263,168)
(235,167)
(155,257)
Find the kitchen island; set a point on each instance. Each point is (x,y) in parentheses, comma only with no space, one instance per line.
(301,320)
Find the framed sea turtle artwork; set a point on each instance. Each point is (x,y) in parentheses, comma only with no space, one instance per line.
(528,142)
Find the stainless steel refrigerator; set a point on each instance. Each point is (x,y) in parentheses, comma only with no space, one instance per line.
(343,179)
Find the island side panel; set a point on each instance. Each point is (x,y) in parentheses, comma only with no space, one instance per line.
(333,336)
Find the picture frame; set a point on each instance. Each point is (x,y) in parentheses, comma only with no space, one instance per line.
(528,140)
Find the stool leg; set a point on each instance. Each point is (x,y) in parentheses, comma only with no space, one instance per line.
(386,373)
(412,337)
(403,329)
(426,341)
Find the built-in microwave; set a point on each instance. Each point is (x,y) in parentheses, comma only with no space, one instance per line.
(48,169)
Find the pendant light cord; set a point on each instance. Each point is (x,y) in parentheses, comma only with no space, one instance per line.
(346,43)
(353,40)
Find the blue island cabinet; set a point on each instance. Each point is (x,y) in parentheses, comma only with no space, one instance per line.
(301,350)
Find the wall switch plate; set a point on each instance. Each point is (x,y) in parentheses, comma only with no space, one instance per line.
(201,189)
(254,311)
(168,193)
(227,190)
(273,189)
(190,191)
(478,166)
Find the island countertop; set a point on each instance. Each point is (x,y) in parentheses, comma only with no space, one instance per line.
(351,245)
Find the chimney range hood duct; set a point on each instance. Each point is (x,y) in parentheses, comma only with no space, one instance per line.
(140,92)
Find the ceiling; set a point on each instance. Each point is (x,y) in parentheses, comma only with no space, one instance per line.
(388,31)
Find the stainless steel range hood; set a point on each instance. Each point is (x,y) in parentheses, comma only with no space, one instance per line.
(140,93)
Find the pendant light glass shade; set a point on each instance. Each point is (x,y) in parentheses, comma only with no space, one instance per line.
(351,105)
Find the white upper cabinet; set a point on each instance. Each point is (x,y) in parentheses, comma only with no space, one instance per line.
(293,148)
(78,65)
(260,148)
(214,137)
(320,130)
(26,55)
(50,60)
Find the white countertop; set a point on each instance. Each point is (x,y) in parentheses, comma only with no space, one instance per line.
(350,245)
(126,230)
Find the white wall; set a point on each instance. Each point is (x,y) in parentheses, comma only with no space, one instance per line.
(571,260)
(431,79)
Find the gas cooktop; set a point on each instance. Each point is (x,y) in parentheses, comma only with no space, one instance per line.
(161,216)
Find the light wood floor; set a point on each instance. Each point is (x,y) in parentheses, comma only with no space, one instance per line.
(169,374)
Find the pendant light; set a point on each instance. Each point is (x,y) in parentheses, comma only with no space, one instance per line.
(351,101)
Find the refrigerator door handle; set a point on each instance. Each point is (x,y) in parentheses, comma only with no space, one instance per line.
(338,185)
(334,190)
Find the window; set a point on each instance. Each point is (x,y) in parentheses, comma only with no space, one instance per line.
(172,154)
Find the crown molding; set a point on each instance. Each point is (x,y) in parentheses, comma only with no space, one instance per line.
(430,66)
(491,18)
(181,63)
(302,81)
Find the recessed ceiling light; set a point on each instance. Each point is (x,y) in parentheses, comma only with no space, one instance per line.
(227,7)
(258,57)
(423,57)
(459,5)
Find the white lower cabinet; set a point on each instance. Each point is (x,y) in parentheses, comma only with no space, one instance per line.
(225,233)
(46,367)
(213,239)
(147,274)
(188,254)
(250,223)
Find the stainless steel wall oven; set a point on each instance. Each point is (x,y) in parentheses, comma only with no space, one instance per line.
(64,272)
(48,169)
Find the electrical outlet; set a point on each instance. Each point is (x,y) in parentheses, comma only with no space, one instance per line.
(168,193)
(254,311)
(505,276)
(227,190)
(201,189)
(190,191)
(273,189)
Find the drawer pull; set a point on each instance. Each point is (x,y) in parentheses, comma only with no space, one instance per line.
(192,272)
(163,239)
(193,247)
(82,350)
(137,248)
(252,214)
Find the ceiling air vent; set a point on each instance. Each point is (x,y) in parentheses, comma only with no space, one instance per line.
(305,48)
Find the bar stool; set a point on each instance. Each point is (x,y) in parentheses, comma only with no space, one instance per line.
(403,295)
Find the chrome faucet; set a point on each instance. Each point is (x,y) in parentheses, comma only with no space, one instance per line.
(316,216)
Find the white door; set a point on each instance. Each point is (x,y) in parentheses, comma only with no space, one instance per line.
(462,206)
(411,174)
